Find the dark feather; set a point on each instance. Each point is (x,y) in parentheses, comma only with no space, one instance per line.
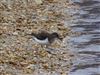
(43,35)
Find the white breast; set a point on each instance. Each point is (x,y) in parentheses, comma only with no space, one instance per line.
(45,41)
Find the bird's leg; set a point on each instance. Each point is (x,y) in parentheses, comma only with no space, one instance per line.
(48,49)
(41,46)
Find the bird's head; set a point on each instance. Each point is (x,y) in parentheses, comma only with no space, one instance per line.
(56,35)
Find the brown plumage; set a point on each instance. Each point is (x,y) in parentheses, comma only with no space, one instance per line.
(45,37)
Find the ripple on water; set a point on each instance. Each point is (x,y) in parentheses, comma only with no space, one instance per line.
(86,45)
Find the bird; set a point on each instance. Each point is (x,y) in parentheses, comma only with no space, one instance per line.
(45,38)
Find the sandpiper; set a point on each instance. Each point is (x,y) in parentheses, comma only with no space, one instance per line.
(45,38)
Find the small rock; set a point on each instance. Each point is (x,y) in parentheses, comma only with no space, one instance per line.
(15,33)
(39,1)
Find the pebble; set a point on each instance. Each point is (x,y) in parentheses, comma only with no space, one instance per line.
(15,33)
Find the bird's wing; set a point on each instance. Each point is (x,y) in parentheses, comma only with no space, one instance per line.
(41,36)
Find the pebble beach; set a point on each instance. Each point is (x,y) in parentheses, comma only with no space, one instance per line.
(19,53)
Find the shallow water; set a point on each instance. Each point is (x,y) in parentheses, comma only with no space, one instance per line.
(87,45)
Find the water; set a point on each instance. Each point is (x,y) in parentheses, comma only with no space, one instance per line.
(87,44)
